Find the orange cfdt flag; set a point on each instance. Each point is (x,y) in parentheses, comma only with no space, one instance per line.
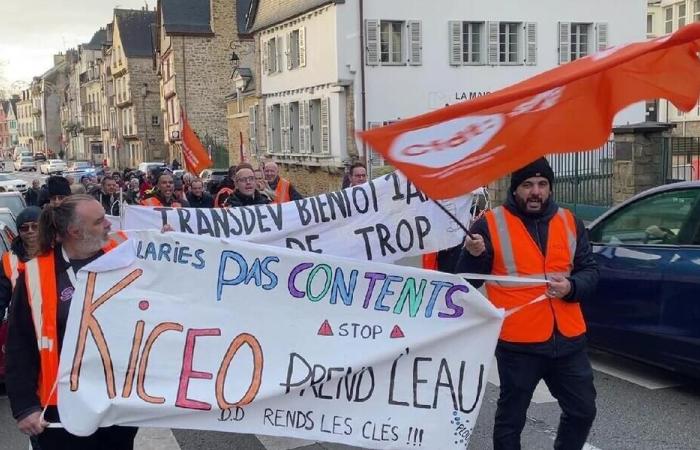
(195,155)
(456,149)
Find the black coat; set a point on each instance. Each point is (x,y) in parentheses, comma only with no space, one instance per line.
(237,199)
(583,278)
(205,201)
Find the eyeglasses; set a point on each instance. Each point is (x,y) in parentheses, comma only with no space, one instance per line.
(30,226)
(246,179)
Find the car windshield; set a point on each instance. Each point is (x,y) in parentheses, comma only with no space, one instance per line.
(27,159)
(13,202)
(4,177)
(80,165)
(55,161)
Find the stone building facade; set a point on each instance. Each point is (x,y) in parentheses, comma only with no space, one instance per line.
(24,119)
(195,42)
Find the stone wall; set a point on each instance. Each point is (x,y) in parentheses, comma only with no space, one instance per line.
(238,122)
(143,80)
(312,181)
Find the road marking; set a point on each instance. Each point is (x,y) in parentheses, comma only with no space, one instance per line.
(155,439)
(647,376)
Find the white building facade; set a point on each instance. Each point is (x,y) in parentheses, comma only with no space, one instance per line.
(346,66)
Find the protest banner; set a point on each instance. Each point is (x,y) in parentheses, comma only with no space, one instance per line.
(384,220)
(455,149)
(183,331)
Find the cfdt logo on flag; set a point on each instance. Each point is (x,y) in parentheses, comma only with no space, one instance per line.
(428,147)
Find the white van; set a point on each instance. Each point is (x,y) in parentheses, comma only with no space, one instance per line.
(21,151)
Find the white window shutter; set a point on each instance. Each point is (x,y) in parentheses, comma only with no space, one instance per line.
(564,42)
(601,34)
(492,43)
(253,129)
(284,119)
(531,44)
(270,129)
(303,105)
(288,52)
(325,125)
(266,57)
(455,32)
(372,42)
(415,38)
(302,47)
(280,45)
(307,125)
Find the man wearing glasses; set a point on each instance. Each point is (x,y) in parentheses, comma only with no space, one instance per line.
(246,193)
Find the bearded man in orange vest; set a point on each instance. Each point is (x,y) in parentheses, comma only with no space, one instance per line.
(284,191)
(530,236)
(71,235)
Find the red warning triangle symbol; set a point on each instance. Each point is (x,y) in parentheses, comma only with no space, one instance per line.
(397,332)
(325,329)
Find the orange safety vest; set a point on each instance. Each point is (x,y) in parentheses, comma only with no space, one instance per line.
(282,191)
(225,191)
(515,253)
(154,201)
(430,261)
(40,277)
(12,266)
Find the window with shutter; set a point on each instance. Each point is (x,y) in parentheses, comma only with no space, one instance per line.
(290,51)
(580,40)
(415,32)
(531,44)
(472,42)
(253,129)
(302,47)
(325,126)
(455,32)
(601,36)
(280,46)
(303,125)
(493,43)
(391,42)
(564,42)
(372,42)
(270,129)
(284,118)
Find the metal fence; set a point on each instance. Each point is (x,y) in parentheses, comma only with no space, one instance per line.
(681,158)
(583,181)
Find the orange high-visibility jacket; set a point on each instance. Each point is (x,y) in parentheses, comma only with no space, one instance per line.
(154,201)
(282,191)
(40,278)
(517,254)
(12,266)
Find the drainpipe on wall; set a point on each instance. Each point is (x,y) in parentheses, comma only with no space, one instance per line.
(363,94)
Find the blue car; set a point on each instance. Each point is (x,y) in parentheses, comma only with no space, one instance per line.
(647,305)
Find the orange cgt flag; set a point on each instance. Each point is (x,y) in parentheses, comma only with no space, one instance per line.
(196,156)
(457,149)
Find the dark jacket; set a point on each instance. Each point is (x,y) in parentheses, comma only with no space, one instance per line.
(23,361)
(293,193)
(109,202)
(583,278)
(205,201)
(18,249)
(238,199)
(32,196)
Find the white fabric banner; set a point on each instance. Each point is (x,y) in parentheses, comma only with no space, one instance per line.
(384,220)
(182,331)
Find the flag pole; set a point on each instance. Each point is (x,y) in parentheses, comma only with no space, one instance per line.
(456,220)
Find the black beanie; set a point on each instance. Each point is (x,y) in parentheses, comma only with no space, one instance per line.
(28,214)
(537,168)
(58,186)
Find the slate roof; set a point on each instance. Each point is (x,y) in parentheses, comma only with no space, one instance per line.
(135,31)
(242,9)
(189,17)
(99,38)
(270,12)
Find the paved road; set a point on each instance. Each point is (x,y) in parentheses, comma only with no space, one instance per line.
(639,407)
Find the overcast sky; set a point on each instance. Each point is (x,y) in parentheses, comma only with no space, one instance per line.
(34,30)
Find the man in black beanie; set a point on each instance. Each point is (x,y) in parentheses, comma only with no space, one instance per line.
(543,338)
(58,188)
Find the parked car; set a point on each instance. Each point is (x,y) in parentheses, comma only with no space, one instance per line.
(14,201)
(39,156)
(647,305)
(145,167)
(212,178)
(21,151)
(11,183)
(25,163)
(6,238)
(10,219)
(53,166)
